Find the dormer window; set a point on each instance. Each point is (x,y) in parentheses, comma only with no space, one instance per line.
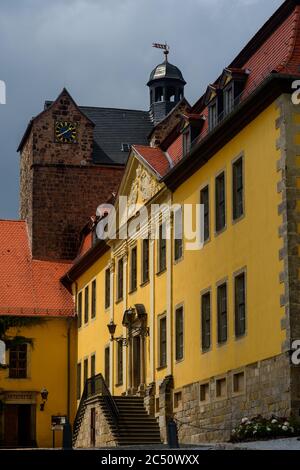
(186,141)
(212,115)
(125,147)
(228,99)
(232,82)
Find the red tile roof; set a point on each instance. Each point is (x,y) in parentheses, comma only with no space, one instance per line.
(86,244)
(155,158)
(275,48)
(175,150)
(277,53)
(28,286)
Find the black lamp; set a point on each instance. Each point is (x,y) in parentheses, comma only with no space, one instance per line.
(111,328)
(44,396)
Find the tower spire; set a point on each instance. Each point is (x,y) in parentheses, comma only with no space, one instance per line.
(166,85)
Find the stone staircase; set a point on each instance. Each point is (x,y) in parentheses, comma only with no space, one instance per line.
(135,426)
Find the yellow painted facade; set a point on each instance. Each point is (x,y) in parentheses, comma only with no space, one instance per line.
(51,354)
(250,245)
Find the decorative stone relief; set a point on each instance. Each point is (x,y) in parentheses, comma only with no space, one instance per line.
(144,187)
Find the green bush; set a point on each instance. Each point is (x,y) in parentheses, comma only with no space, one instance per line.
(264,428)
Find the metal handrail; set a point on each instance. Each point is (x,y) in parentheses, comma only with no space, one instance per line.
(79,409)
(96,386)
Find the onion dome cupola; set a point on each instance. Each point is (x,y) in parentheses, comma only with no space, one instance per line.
(166,85)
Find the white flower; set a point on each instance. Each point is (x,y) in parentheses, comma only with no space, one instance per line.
(286,423)
(285,428)
(274,421)
(269,429)
(245,420)
(233,431)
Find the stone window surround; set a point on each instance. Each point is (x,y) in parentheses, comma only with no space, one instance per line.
(208,290)
(159,318)
(217,174)
(216,381)
(205,185)
(180,402)
(177,307)
(241,155)
(236,274)
(220,283)
(235,373)
(131,288)
(204,383)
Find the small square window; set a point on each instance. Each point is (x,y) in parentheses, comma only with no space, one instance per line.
(239,382)
(204,392)
(221,391)
(125,147)
(177,399)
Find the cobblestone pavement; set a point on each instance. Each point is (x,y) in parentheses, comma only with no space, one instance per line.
(276,444)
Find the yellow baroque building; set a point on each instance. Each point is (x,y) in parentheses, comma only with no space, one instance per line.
(203,335)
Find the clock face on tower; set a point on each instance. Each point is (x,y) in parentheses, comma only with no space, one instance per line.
(66,132)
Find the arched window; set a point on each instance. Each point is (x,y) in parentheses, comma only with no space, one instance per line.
(159,94)
(171,94)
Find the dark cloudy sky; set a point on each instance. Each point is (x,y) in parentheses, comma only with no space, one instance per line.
(101,51)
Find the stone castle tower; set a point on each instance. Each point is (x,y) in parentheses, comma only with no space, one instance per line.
(66,171)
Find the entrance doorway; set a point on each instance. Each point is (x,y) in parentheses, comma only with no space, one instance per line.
(136,346)
(19,425)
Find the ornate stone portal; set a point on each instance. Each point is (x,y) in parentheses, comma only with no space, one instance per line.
(135,321)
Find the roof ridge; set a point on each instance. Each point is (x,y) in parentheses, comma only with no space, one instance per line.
(13,220)
(115,109)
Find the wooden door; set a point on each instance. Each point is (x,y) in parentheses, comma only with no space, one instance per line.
(136,361)
(93,427)
(11,425)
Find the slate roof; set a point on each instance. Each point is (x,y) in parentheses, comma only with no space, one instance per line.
(166,70)
(113,127)
(29,287)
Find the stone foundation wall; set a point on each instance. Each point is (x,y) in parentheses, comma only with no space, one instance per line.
(266,392)
(104,436)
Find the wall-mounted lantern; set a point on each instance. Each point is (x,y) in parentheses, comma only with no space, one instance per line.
(44,395)
(112,329)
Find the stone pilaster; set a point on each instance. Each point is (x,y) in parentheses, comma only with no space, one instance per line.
(288,167)
(149,399)
(165,405)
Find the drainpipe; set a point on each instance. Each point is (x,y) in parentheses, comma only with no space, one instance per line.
(69,321)
(68,371)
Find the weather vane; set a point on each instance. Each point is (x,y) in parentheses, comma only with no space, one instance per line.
(165,47)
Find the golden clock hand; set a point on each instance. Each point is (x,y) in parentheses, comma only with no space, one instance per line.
(62,133)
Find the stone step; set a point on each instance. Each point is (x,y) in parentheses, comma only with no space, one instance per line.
(138,421)
(135,441)
(138,433)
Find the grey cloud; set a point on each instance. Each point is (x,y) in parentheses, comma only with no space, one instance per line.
(101,51)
